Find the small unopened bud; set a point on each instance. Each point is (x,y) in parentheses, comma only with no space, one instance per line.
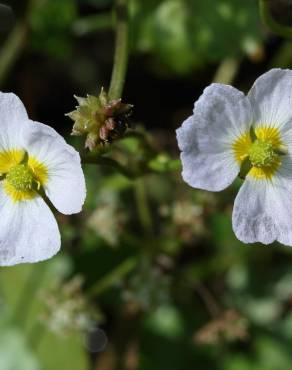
(101,119)
(92,141)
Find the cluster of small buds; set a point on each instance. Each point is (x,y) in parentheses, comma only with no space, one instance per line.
(187,219)
(67,309)
(108,222)
(230,326)
(100,118)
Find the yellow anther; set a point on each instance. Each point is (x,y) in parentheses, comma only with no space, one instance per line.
(20,177)
(262,153)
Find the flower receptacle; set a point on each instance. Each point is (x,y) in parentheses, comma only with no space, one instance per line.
(101,119)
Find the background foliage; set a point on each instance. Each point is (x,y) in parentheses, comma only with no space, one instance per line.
(150,275)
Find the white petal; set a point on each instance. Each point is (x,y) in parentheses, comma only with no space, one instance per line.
(28,231)
(263,209)
(221,115)
(13,119)
(66,185)
(271,99)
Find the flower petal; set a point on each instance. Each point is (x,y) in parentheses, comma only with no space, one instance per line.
(263,208)
(271,100)
(65,186)
(28,231)
(13,118)
(221,115)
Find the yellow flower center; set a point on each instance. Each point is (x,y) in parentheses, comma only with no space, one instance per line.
(23,174)
(261,158)
(262,153)
(20,177)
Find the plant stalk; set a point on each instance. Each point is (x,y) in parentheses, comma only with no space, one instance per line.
(113,277)
(271,23)
(104,161)
(12,48)
(121,51)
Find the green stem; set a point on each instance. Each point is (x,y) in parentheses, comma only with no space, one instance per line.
(92,23)
(15,42)
(12,49)
(35,335)
(227,71)
(104,161)
(270,22)
(283,57)
(113,277)
(208,299)
(121,51)
(34,280)
(143,206)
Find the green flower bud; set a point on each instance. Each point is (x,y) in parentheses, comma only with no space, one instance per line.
(101,119)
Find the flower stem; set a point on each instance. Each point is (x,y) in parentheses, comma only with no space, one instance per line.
(121,51)
(92,23)
(270,22)
(25,300)
(143,208)
(12,49)
(227,71)
(15,42)
(104,161)
(113,277)
(208,299)
(283,56)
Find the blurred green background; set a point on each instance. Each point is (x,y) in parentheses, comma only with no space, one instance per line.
(150,275)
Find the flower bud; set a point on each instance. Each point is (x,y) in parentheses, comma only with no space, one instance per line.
(101,119)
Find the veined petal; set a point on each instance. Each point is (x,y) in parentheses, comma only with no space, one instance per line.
(13,119)
(58,164)
(271,100)
(222,115)
(28,231)
(263,208)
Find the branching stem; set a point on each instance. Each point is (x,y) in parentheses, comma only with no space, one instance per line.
(104,161)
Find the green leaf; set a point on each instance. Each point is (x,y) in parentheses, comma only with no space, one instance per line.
(22,289)
(167,321)
(51,23)
(14,351)
(185,34)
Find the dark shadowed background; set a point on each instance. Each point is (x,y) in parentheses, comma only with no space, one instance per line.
(150,275)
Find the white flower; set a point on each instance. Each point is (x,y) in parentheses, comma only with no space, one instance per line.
(34,160)
(229,132)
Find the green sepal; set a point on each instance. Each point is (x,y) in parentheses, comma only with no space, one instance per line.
(245,167)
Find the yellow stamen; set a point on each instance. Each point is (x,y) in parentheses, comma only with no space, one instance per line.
(18,195)
(264,153)
(20,177)
(261,153)
(24,175)
(39,170)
